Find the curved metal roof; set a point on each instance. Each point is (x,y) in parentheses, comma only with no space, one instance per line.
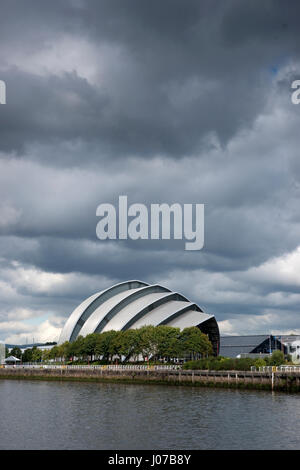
(79,316)
(132,304)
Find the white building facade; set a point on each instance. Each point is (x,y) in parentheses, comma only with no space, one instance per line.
(132,304)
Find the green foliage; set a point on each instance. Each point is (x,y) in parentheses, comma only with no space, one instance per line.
(27,355)
(105,344)
(220,363)
(160,342)
(36,354)
(89,346)
(46,355)
(276,359)
(129,344)
(54,353)
(62,350)
(32,355)
(147,341)
(245,363)
(167,341)
(16,352)
(156,343)
(194,342)
(76,348)
(260,363)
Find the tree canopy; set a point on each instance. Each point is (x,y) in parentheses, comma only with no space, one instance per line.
(150,342)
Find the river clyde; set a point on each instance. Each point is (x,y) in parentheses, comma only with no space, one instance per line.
(77,415)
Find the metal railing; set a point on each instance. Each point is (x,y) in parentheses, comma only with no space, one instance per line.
(91,367)
(289,368)
(269,369)
(282,368)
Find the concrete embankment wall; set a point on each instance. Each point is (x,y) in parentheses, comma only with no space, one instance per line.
(283,381)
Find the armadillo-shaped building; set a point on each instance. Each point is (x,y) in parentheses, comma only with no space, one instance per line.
(133,304)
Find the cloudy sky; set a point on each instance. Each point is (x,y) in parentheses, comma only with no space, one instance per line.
(162,101)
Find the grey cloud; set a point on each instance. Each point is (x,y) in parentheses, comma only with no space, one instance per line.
(186,102)
(164,50)
(48,108)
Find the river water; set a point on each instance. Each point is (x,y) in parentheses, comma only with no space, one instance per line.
(77,415)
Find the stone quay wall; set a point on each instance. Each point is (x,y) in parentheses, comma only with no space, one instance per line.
(279,380)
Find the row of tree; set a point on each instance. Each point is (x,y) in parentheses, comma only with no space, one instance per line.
(29,355)
(147,342)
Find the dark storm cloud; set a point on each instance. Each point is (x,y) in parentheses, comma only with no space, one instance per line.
(60,108)
(183,73)
(166,101)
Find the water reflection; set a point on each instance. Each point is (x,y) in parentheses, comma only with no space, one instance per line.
(53,415)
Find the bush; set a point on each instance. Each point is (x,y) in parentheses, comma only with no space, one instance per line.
(221,363)
(277,358)
(260,363)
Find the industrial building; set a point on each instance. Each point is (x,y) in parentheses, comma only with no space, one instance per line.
(260,345)
(133,304)
(292,343)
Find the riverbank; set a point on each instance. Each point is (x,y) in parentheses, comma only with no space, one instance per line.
(280,380)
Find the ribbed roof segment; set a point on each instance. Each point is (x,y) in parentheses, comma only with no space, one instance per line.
(132,304)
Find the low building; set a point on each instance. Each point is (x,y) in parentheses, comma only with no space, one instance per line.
(23,347)
(12,360)
(292,342)
(288,340)
(133,304)
(246,346)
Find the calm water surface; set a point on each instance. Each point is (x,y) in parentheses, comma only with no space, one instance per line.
(54,415)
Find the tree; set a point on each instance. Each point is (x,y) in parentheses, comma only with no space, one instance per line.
(277,358)
(76,348)
(70,350)
(194,342)
(167,341)
(46,354)
(54,352)
(89,344)
(260,362)
(147,341)
(116,345)
(16,351)
(104,344)
(62,350)
(36,354)
(27,355)
(129,344)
